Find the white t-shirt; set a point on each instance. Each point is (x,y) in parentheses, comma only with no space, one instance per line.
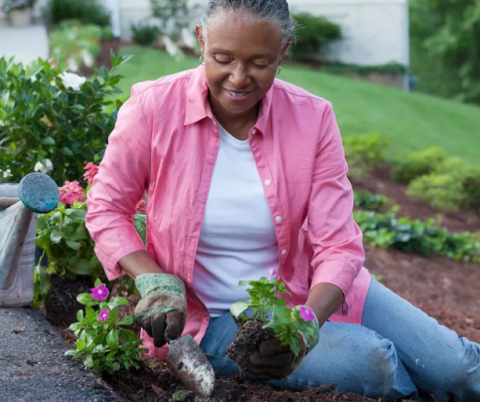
(238,240)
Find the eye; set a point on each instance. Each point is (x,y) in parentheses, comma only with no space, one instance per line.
(260,66)
(222,59)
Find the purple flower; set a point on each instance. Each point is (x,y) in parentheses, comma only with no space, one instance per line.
(103,315)
(100,292)
(307,313)
(273,274)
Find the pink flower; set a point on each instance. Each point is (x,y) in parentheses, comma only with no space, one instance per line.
(103,315)
(90,172)
(307,313)
(141,206)
(273,274)
(71,192)
(100,292)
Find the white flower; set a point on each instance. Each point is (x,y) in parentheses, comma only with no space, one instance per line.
(72,64)
(39,167)
(170,47)
(71,80)
(7,173)
(33,78)
(87,58)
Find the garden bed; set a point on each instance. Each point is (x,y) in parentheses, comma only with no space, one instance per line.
(437,285)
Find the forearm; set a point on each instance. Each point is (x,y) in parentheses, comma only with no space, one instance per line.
(138,263)
(324,299)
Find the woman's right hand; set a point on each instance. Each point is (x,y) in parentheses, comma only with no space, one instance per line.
(162,310)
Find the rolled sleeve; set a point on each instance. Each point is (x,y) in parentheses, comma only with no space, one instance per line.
(338,254)
(120,183)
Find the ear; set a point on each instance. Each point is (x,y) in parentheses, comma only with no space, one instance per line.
(283,52)
(201,39)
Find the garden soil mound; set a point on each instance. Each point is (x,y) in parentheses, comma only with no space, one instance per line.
(444,288)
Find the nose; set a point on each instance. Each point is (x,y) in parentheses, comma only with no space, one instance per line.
(239,77)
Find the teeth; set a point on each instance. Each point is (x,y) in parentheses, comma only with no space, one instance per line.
(237,94)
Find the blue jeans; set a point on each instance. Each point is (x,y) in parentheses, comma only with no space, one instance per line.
(397,352)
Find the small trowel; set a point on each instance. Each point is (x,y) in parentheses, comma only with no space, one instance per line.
(189,364)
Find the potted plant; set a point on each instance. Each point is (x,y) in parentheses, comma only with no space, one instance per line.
(19,11)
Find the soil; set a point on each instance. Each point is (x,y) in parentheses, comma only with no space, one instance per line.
(61,304)
(247,341)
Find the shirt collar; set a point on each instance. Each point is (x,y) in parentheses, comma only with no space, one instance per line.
(197,107)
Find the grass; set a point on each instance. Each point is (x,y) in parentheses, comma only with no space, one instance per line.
(410,121)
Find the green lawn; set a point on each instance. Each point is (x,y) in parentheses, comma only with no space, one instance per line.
(409,121)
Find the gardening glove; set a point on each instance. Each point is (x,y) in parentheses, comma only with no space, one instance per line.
(162,310)
(274,361)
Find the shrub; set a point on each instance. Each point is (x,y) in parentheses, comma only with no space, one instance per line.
(312,36)
(369,201)
(63,236)
(86,11)
(417,164)
(364,153)
(145,34)
(451,185)
(424,238)
(48,115)
(76,44)
(105,344)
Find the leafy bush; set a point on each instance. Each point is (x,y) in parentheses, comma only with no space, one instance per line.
(417,164)
(145,34)
(424,238)
(364,153)
(312,36)
(104,344)
(76,44)
(451,185)
(48,114)
(369,201)
(173,16)
(65,241)
(86,11)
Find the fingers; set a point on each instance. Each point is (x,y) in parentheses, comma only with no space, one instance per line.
(272,347)
(158,329)
(145,322)
(278,360)
(175,323)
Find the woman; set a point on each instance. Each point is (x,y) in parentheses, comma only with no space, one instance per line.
(245,173)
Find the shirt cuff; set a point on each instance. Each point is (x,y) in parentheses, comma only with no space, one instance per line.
(341,275)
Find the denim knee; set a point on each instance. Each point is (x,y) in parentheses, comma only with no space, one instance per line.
(460,380)
(381,363)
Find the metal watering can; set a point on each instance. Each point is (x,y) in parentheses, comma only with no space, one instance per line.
(36,193)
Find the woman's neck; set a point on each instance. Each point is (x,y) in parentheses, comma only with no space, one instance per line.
(238,125)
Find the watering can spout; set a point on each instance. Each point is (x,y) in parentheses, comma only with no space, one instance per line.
(36,193)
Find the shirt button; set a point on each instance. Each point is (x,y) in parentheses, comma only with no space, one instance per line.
(268,182)
(284,252)
(278,219)
(254,131)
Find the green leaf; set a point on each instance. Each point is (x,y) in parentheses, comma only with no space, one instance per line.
(128,320)
(98,282)
(117,301)
(113,340)
(80,345)
(85,299)
(76,214)
(3,114)
(128,335)
(79,316)
(82,267)
(71,352)
(243,283)
(56,236)
(48,141)
(74,245)
(238,308)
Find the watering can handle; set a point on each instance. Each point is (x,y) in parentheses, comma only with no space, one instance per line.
(39,193)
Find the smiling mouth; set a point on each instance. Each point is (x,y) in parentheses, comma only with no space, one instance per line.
(238,94)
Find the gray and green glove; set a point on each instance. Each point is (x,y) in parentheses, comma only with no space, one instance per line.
(162,311)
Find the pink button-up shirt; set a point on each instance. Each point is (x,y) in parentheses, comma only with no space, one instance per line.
(166,142)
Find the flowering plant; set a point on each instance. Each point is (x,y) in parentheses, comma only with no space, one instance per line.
(265,305)
(65,240)
(104,342)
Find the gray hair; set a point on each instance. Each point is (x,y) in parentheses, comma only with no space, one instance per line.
(273,11)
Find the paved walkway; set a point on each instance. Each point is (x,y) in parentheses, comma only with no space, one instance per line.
(33,367)
(25,43)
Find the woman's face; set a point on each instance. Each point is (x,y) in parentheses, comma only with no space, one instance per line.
(241,59)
